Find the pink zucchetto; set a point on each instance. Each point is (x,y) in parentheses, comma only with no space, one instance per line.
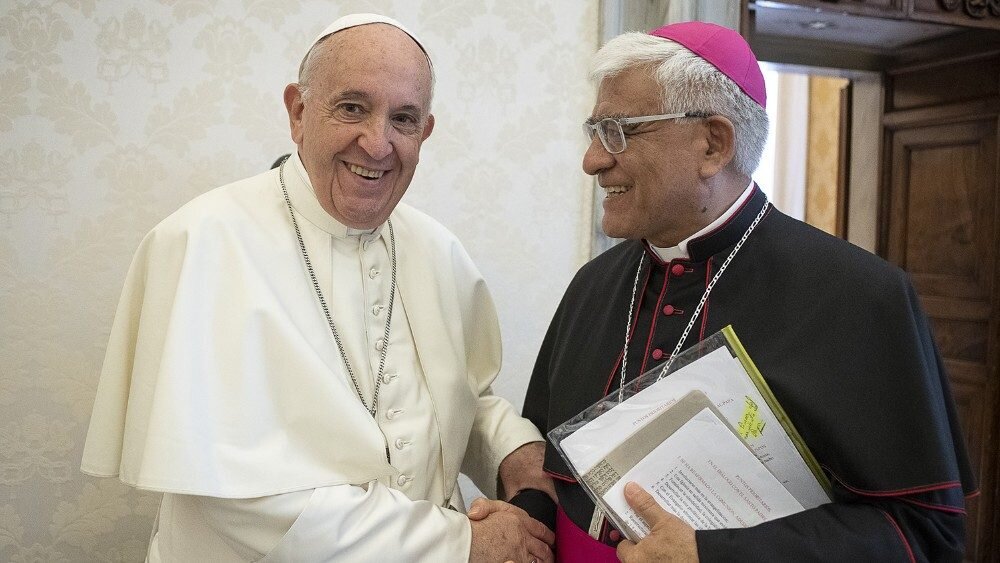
(725,49)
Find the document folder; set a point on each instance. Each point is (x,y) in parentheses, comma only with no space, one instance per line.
(704,434)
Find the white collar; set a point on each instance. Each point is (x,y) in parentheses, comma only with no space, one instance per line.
(304,201)
(681,250)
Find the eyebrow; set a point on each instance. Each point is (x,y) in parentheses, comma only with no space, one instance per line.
(595,118)
(361,95)
(413,109)
(349,94)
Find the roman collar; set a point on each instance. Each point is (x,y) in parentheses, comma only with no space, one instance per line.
(304,201)
(705,245)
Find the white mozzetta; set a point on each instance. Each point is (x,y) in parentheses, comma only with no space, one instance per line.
(221,378)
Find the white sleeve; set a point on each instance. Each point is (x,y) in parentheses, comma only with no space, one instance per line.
(496,432)
(340,523)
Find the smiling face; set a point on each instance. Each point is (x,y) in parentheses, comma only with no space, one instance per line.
(655,189)
(360,125)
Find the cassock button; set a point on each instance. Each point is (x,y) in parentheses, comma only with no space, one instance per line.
(657,354)
(402,480)
(401,443)
(379,344)
(376,309)
(668,309)
(388,377)
(677,269)
(372,273)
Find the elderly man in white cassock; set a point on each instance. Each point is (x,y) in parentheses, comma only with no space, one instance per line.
(301,364)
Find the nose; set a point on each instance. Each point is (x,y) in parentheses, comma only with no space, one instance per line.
(597,158)
(375,138)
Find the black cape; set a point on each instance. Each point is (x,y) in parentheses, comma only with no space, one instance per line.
(840,338)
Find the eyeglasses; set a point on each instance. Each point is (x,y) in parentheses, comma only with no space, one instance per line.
(610,130)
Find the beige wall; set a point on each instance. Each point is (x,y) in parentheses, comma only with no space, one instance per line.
(114,113)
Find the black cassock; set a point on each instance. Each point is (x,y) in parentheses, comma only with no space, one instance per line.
(840,338)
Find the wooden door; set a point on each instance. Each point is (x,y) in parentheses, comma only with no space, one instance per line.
(939,221)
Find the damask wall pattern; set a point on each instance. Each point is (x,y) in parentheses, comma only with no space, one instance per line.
(115,113)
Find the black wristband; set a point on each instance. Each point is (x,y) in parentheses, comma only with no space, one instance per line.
(538,504)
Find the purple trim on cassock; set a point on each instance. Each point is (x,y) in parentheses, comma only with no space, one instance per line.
(902,536)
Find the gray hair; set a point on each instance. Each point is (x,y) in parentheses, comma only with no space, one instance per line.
(308,63)
(689,83)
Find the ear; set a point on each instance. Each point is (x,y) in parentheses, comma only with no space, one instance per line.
(295,106)
(720,135)
(428,128)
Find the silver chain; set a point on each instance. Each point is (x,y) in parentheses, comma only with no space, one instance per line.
(326,310)
(697,310)
(628,325)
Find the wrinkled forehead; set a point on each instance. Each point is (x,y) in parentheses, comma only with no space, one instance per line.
(375,44)
(631,92)
(376,59)
(377,39)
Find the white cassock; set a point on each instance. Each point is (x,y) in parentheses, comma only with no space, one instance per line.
(222,386)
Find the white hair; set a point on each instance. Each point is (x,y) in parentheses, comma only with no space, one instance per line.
(690,84)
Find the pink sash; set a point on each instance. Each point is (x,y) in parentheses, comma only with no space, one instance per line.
(573,545)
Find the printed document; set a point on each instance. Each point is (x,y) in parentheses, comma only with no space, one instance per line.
(701,471)
(738,400)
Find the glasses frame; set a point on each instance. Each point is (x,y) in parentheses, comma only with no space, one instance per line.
(592,128)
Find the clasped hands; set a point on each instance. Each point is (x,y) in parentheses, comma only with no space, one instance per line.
(503,532)
(670,539)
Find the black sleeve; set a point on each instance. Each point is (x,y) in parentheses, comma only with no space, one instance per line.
(538,504)
(883,532)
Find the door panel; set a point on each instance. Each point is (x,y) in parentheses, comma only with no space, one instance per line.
(940,222)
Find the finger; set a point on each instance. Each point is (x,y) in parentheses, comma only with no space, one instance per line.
(626,551)
(539,551)
(480,509)
(492,506)
(503,506)
(538,530)
(643,503)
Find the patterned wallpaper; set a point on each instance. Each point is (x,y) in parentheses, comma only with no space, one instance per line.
(114,113)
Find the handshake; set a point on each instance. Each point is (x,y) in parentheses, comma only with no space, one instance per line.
(502,531)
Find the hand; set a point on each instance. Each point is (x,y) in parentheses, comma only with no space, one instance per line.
(502,532)
(522,469)
(670,539)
